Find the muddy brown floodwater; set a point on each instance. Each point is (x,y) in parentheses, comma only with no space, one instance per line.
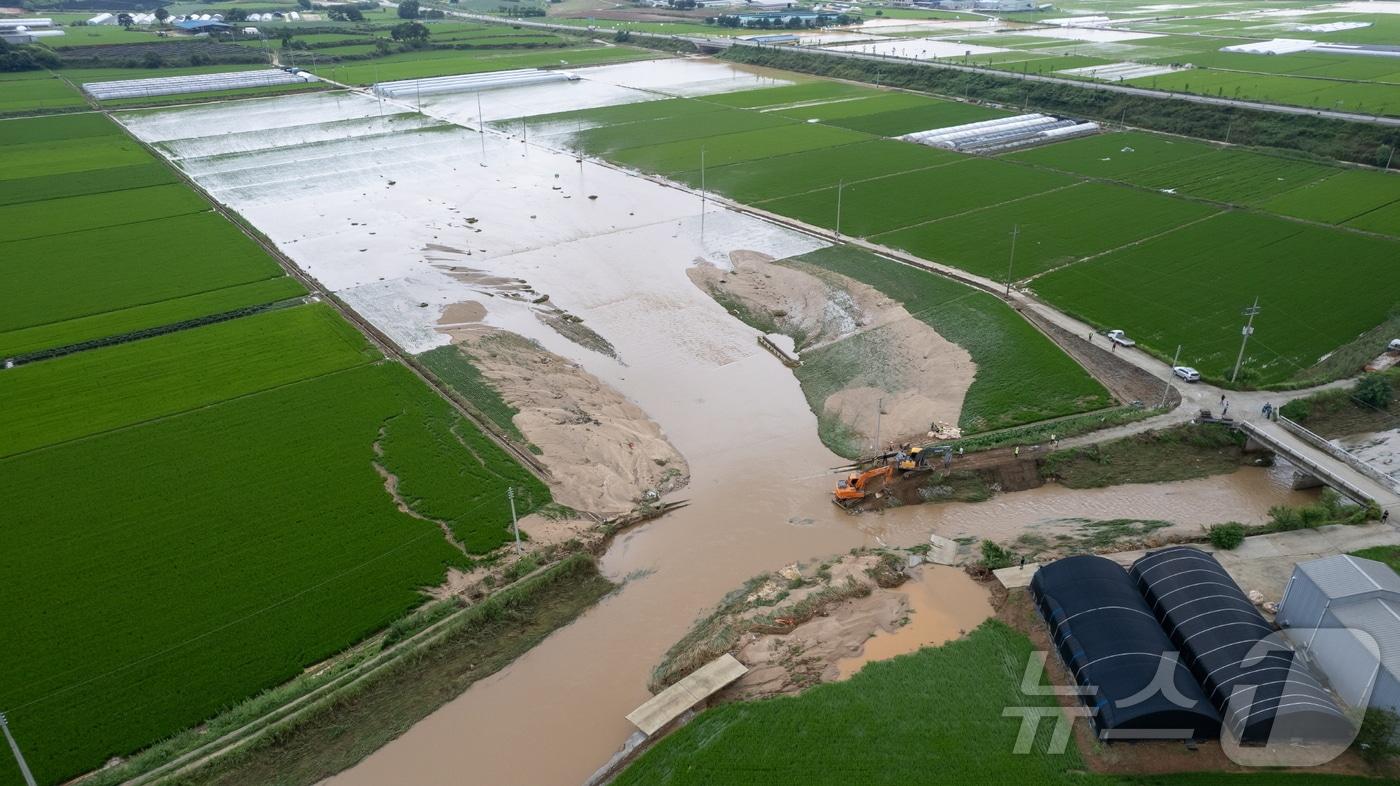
(944,603)
(759,498)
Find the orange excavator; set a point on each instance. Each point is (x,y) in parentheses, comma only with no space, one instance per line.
(855,487)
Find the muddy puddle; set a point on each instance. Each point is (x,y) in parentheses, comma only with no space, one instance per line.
(386,220)
(944,603)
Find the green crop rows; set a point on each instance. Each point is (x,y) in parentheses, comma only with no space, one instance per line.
(36,91)
(214,553)
(1052,229)
(948,714)
(1319,288)
(228,501)
(129,383)
(100,240)
(1021,377)
(846,732)
(906,199)
(961,211)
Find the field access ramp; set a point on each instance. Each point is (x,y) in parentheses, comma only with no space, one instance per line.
(663,708)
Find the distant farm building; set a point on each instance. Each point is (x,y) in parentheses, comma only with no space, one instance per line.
(27,31)
(198,26)
(772,39)
(1351,596)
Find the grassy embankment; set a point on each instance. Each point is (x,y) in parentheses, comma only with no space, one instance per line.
(1345,411)
(1178,453)
(1021,375)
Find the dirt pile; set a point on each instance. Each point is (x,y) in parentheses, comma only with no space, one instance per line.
(861,350)
(809,624)
(604,453)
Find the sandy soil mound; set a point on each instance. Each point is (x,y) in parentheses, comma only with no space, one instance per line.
(835,321)
(604,452)
(804,625)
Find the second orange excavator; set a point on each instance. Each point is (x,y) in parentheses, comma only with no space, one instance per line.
(858,484)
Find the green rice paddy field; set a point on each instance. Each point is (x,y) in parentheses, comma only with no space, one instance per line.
(1022,377)
(99,240)
(219,550)
(1351,83)
(35,92)
(229,525)
(1106,225)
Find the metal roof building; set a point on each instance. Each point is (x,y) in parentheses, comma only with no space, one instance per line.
(1344,613)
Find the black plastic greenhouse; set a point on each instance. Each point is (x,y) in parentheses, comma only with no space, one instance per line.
(1111,643)
(1222,638)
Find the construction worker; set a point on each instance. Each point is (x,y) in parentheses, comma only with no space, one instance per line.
(1017,450)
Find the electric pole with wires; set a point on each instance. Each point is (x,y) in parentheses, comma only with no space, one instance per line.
(14,747)
(514,524)
(1245,334)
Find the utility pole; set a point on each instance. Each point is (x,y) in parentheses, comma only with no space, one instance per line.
(1246,333)
(840,186)
(702,192)
(1168,387)
(378,91)
(14,747)
(879,409)
(481,127)
(1015,230)
(514,525)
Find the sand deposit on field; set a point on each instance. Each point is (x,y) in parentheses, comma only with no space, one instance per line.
(603,452)
(881,623)
(921,377)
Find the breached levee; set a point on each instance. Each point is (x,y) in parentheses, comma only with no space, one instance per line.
(897,374)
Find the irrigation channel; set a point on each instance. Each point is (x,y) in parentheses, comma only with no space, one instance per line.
(376,207)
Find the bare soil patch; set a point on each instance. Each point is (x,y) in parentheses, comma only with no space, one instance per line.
(863,350)
(1124,380)
(604,453)
(804,625)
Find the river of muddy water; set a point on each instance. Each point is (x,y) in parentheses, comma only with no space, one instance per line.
(760,498)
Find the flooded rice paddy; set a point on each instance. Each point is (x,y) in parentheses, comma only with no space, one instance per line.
(405,216)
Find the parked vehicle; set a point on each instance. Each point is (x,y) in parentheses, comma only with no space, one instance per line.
(1120,338)
(1187,373)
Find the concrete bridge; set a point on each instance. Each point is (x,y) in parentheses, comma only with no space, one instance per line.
(1317,462)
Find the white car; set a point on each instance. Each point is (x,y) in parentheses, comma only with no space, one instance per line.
(1187,373)
(1120,338)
